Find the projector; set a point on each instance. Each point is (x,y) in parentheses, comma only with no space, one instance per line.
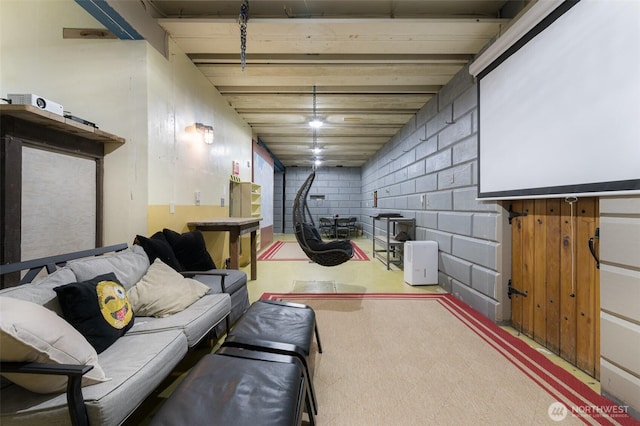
(36,101)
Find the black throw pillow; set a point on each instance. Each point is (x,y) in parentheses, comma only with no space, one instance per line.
(190,249)
(158,247)
(98,308)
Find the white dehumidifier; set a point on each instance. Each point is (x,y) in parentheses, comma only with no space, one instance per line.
(421,262)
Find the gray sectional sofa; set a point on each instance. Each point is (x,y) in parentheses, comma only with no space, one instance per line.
(135,363)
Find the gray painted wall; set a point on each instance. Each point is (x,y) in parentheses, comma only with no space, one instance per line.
(429,171)
(341,187)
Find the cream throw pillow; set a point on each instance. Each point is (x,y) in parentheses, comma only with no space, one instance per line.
(32,333)
(162,292)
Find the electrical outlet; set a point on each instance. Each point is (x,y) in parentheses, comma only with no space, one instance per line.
(197,198)
(172,208)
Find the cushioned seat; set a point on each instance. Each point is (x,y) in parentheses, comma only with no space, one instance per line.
(235,284)
(278,323)
(195,322)
(278,327)
(226,390)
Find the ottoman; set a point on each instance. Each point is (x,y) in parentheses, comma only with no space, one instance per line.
(229,390)
(278,327)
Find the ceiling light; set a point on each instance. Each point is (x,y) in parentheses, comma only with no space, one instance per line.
(317,162)
(316,150)
(315,123)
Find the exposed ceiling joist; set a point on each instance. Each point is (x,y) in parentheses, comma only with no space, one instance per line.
(373,64)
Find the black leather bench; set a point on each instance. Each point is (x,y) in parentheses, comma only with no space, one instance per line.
(281,328)
(239,387)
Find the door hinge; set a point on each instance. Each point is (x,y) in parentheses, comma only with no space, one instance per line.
(512,290)
(513,214)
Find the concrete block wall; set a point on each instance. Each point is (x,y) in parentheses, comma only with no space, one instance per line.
(428,171)
(341,187)
(619,301)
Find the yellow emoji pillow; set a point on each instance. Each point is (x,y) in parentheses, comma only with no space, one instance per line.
(98,308)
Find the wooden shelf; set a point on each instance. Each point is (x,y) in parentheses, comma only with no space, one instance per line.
(245,201)
(57,122)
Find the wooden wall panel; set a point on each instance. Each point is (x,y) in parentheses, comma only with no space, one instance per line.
(539,294)
(552,250)
(586,285)
(551,262)
(528,268)
(567,286)
(516,266)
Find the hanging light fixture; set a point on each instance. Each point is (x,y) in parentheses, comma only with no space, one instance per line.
(315,122)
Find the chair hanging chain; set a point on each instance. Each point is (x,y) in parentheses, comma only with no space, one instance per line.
(243,18)
(315,139)
(314,102)
(315,131)
(571,201)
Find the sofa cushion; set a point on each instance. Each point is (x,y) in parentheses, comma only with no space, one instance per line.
(32,333)
(137,365)
(129,266)
(97,308)
(162,291)
(157,246)
(41,291)
(190,249)
(195,322)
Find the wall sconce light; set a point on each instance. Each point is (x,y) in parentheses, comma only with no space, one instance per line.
(206,131)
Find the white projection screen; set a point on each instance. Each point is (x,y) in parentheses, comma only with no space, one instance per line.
(559,111)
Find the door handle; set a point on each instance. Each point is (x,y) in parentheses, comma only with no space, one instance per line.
(512,290)
(592,247)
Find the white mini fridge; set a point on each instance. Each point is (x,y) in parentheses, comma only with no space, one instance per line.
(421,262)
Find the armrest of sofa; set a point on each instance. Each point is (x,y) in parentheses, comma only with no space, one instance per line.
(74,373)
(221,274)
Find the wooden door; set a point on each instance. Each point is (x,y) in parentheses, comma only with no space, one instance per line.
(553,265)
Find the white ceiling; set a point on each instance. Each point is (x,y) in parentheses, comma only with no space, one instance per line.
(374,64)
